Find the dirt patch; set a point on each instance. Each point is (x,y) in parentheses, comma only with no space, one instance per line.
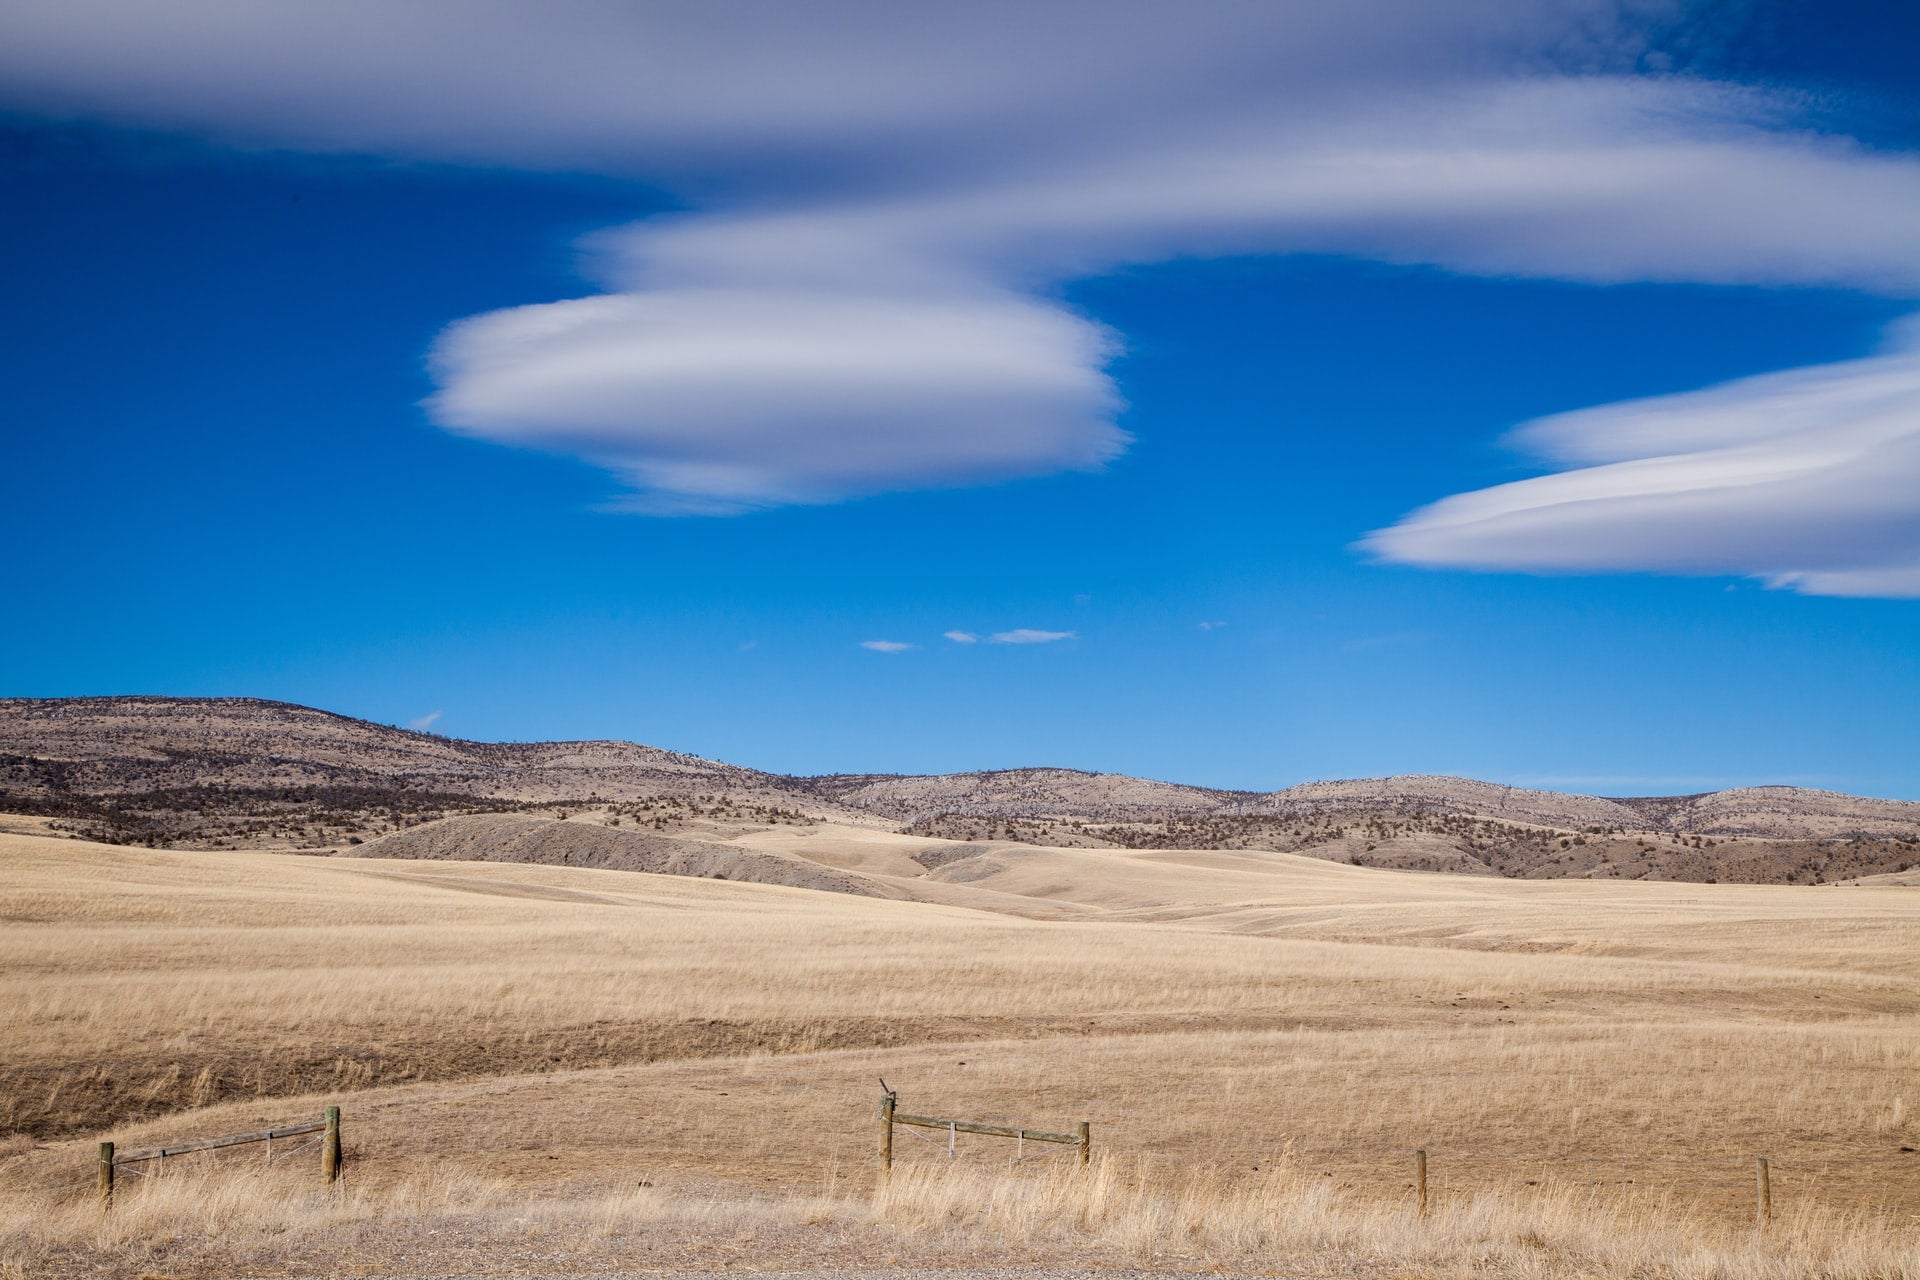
(936,858)
(490,837)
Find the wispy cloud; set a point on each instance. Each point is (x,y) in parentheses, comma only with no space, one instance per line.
(887,646)
(1027,635)
(961,637)
(872,301)
(425,722)
(1211,626)
(1807,479)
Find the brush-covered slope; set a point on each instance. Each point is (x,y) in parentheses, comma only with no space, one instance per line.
(231,772)
(1021,793)
(116,746)
(238,772)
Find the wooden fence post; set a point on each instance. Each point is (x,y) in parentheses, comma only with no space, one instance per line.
(106,1175)
(330,1148)
(1762,1192)
(1420,1179)
(1086,1142)
(887,1100)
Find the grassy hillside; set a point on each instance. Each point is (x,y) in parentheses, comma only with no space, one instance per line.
(1223,1016)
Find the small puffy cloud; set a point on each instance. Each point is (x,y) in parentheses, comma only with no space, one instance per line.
(1027,635)
(1807,479)
(425,722)
(961,637)
(887,646)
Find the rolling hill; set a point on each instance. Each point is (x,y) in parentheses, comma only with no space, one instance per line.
(232,772)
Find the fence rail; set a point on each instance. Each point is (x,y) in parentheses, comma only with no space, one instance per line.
(208,1144)
(328,1125)
(890,1116)
(991,1130)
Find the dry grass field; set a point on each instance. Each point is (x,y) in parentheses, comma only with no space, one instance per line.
(547,1067)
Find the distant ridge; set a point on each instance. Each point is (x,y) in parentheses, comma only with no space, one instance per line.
(1778,812)
(247,772)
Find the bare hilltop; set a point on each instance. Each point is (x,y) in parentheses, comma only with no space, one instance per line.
(241,772)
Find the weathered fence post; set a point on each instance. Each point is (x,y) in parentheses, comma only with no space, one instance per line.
(106,1175)
(1762,1192)
(1086,1143)
(1420,1179)
(330,1148)
(887,1100)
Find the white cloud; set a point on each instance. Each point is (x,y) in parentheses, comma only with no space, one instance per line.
(1027,635)
(1211,626)
(961,637)
(864,293)
(716,399)
(425,722)
(1807,479)
(814,353)
(887,646)
(739,95)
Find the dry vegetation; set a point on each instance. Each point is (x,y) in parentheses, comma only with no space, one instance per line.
(204,1221)
(244,773)
(1259,1041)
(1462,843)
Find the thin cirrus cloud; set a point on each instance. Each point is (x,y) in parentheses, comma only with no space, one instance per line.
(887,646)
(863,294)
(1019,635)
(1029,635)
(1808,479)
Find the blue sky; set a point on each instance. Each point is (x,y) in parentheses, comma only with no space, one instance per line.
(871,331)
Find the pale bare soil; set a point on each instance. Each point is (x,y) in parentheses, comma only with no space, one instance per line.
(1259,1041)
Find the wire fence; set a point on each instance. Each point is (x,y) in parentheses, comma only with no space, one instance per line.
(326,1131)
(1435,1167)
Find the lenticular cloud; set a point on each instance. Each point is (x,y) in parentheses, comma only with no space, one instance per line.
(1807,479)
(884,203)
(809,351)
(725,398)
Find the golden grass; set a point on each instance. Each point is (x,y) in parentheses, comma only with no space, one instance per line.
(214,1221)
(1611,1049)
(1285,1218)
